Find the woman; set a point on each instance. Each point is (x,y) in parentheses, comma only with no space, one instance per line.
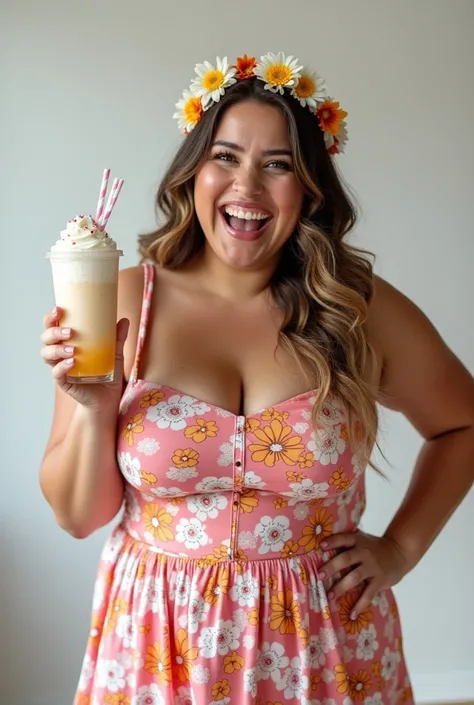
(253,347)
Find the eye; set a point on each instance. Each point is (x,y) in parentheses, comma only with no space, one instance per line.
(280,164)
(224,157)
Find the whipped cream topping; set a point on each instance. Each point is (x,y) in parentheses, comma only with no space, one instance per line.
(82,233)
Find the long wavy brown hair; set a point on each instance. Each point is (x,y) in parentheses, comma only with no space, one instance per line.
(323,285)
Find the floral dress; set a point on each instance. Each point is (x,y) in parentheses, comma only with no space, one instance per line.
(209,590)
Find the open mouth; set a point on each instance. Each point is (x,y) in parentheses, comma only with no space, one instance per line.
(240,221)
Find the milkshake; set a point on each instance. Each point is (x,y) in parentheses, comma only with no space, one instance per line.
(85,269)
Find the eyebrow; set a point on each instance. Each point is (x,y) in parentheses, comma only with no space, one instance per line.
(267,152)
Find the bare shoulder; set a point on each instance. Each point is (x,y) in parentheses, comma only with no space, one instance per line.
(421,376)
(130,297)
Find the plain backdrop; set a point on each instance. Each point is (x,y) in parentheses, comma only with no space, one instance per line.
(92,84)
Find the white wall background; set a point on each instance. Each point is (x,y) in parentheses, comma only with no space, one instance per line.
(93,84)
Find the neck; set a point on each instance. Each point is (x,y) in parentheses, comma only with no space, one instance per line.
(233,284)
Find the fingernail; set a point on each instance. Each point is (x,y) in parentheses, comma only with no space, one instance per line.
(68,349)
(54,312)
(65,331)
(70,361)
(353,615)
(324,544)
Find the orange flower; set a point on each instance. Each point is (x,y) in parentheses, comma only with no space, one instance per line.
(145,629)
(184,655)
(158,662)
(359,685)
(202,430)
(117,699)
(251,425)
(277,444)
(344,434)
(304,636)
(157,522)
(345,606)
(217,585)
(220,689)
(315,681)
(271,413)
(306,460)
(133,426)
(289,549)
(272,582)
(285,613)
(253,617)
(293,476)
(151,398)
(320,527)
(342,679)
(376,668)
(407,694)
(233,662)
(245,66)
(95,633)
(280,503)
(326,613)
(248,501)
(339,480)
(186,458)
(115,609)
(83,699)
(330,116)
(148,477)
(303,574)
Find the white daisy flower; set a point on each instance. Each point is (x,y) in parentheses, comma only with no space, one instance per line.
(327,445)
(189,111)
(130,468)
(200,674)
(274,532)
(148,695)
(245,590)
(278,71)
(310,89)
(270,660)
(110,675)
(192,533)
(367,644)
(181,474)
(207,506)
(212,81)
(148,446)
(293,682)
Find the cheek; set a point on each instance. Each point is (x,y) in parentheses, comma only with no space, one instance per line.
(210,182)
(289,199)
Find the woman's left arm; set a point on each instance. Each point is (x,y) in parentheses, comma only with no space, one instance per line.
(425,381)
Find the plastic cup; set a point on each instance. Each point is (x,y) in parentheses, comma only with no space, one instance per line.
(85,288)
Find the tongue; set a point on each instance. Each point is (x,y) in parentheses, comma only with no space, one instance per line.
(247,225)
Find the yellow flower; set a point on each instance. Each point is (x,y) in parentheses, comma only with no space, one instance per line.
(315,681)
(233,662)
(304,636)
(309,90)
(148,477)
(157,521)
(306,460)
(115,609)
(253,616)
(212,81)
(95,633)
(280,503)
(217,585)
(359,685)
(158,662)
(289,549)
(133,426)
(285,613)
(342,679)
(151,398)
(293,476)
(189,111)
(220,689)
(184,655)
(83,699)
(340,480)
(271,413)
(187,458)
(320,527)
(251,425)
(345,606)
(272,582)
(117,699)
(201,431)
(248,501)
(276,444)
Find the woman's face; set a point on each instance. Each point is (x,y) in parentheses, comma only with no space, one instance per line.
(247,197)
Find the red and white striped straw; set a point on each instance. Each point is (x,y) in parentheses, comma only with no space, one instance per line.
(114,194)
(102,194)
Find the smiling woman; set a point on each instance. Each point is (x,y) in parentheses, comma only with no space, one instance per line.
(259,345)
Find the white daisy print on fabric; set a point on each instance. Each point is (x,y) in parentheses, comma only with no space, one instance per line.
(327,445)
(130,468)
(207,506)
(148,446)
(174,412)
(192,533)
(273,532)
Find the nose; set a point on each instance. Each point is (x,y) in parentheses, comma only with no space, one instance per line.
(247,182)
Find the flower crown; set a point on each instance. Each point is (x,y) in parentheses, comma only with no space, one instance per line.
(278,72)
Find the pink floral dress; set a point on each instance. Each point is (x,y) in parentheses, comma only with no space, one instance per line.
(209,590)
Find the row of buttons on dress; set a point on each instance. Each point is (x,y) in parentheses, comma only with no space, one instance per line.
(238,458)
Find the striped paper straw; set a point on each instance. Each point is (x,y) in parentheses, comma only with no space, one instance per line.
(114,194)
(102,194)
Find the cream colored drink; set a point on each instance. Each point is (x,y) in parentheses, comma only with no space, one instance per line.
(85,269)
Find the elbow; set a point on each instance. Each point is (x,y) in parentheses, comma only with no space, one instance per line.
(77,531)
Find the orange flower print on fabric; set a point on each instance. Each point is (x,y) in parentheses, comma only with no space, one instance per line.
(83,699)
(184,655)
(276,444)
(359,685)
(187,458)
(157,522)
(95,633)
(280,503)
(248,500)
(342,678)
(220,689)
(117,699)
(148,478)
(306,460)
(340,481)
(217,585)
(285,613)
(251,425)
(289,549)
(320,527)
(116,608)
(158,662)
(345,606)
(151,398)
(253,617)
(270,414)
(201,430)
(293,476)
(233,662)
(133,426)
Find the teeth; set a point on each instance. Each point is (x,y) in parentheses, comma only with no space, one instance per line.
(245,215)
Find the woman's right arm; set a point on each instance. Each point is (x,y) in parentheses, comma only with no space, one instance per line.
(79,475)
